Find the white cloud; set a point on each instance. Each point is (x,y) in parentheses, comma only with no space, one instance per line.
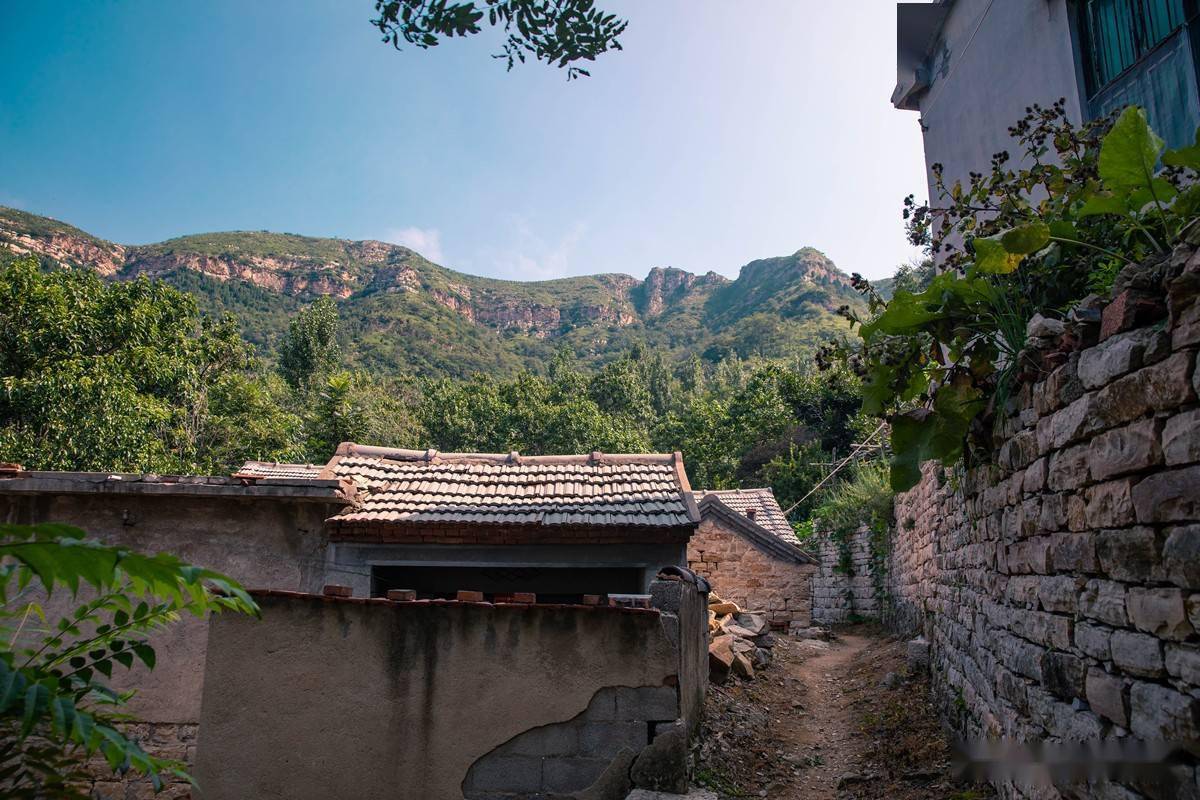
(531,256)
(426,241)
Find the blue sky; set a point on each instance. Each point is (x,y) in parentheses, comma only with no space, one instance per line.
(722,133)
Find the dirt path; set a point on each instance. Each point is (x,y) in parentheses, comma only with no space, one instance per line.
(827,731)
(836,720)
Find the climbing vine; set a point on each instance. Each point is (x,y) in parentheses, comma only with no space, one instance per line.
(940,364)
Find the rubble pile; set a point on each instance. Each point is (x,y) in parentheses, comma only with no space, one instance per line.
(739,641)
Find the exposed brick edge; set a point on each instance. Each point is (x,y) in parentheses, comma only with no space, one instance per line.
(383,601)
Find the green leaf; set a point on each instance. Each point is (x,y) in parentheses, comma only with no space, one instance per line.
(1188,157)
(1025,239)
(1129,152)
(992,258)
(1103,203)
(146,653)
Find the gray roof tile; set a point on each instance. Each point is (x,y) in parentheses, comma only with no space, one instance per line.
(408,487)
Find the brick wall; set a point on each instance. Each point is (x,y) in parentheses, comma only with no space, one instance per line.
(754,579)
(164,740)
(1060,587)
(838,593)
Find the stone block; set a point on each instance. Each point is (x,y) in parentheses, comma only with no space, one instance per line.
(1063,674)
(1181,438)
(1138,654)
(1183,662)
(1050,630)
(1068,468)
(1112,358)
(1158,611)
(1128,310)
(1060,593)
(1022,590)
(1162,387)
(1034,478)
(1108,696)
(1169,496)
(1158,713)
(1104,601)
(1093,640)
(1127,449)
(1030,556)
(1073,552)
(662,766)
(1181,556)
(1132,554)
(1110,505)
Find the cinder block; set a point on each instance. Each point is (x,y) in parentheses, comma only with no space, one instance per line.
(648,703)
(572,774)
(605,739)
(506,774)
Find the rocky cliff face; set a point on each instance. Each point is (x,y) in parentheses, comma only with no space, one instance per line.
(107,259)
(665,286)
(387,291)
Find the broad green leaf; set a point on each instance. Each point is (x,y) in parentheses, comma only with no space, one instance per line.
(1129,152)
(993,259)
(1025,239)
(1104,203)
(1188,156)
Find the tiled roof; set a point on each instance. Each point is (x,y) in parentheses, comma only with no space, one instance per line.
(273,469)
(406,487)
(767,512)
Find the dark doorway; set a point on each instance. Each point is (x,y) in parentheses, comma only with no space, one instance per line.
(551,584)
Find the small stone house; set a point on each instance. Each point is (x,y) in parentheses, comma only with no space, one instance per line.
(748,551)
(507,555)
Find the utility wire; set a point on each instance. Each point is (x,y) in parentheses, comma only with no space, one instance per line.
(836,469)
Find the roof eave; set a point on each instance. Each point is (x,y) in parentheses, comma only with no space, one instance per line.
(711,505)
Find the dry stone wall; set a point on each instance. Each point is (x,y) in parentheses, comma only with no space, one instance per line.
(751,577)
(1059,589)
(845,586)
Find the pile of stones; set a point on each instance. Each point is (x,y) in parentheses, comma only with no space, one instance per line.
(739,641)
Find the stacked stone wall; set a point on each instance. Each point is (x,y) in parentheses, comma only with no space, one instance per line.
(751,577)
(1059,588)
(844,587)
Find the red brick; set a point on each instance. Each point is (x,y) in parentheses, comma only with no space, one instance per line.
(466,596)
(337,590)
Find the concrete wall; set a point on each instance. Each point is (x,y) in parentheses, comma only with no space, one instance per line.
(756,580)
(260,542)
(841,591)
(994,59)
(441,700)
(1060,588)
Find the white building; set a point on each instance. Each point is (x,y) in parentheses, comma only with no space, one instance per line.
(971,67)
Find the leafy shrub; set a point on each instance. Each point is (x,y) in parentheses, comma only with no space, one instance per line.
(939,362)
(56,706)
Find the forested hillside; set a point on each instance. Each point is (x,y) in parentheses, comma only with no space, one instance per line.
(402,313)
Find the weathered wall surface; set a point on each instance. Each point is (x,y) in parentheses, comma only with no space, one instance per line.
(752,578)
(1060,588)
(845,586)
(273,543)
(965,112)
(442,700)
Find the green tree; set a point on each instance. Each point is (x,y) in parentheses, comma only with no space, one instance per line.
(57,708)
(559,32)
(310,349)
(114,376)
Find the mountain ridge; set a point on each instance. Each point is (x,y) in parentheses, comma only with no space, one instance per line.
(776,307)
